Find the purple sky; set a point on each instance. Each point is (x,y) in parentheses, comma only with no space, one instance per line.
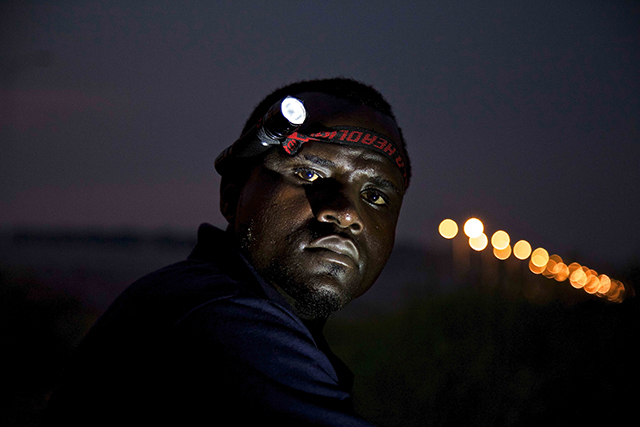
(525,114)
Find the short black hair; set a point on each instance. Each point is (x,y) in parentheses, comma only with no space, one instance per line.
(345,88)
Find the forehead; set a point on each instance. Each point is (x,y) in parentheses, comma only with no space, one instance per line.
(328,110)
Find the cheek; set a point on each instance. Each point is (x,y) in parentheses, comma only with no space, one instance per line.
(273,212)
(381,236)
(380,243)
(257,198)
(379,252)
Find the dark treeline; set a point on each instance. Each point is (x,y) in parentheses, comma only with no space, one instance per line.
(125,238)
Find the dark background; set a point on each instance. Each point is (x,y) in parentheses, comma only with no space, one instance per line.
(524,114)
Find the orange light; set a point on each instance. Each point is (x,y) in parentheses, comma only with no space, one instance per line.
(473,228)
(592,285)
(578,278)
(522,249)
(573,267)
(552,266)
(534,268)
(500,240)
(562,272)
(448,229)
(621,291)
(616,292)
(556,258)
(540,262)
(605,284)
(539,257)
(502,254)
(478,243)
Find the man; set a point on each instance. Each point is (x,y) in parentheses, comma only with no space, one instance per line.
(234,333)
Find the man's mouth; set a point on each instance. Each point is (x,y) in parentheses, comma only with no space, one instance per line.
(338,245)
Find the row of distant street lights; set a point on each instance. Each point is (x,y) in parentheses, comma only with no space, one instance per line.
(540,262)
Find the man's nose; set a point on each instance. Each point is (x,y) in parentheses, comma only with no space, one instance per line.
(340,209)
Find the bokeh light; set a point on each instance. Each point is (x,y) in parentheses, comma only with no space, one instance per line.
(522,249)
(473,228)
(573,267)
(500,239)
(593,284)
(478,243)
(552,267)
(448,229)
(502,254)
(562,272)
(539,257)
(578,278)
(616,291)
(540,262)
(605,284)
(535,269)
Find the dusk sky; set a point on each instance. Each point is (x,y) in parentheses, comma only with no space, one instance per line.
(522,113)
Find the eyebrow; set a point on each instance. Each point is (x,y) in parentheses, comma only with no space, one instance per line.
(377,180)
(319,160)
(386,184)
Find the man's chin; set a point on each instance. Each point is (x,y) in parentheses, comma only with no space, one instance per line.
(315,290)
(317,303)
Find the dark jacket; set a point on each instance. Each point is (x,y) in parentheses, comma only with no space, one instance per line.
(203,340)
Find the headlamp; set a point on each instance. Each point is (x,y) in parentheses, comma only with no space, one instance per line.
(279,128)
(282,119)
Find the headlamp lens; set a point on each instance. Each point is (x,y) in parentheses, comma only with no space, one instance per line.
(293,110)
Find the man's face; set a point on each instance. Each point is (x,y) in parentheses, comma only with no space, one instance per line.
(320,225)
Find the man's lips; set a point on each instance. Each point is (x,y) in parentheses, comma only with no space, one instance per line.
(337,244)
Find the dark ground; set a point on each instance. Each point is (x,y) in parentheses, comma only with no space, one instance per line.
(427,348)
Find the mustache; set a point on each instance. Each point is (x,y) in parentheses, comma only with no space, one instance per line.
(316,229)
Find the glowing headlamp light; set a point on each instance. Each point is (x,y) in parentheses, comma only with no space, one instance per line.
(282,119)
(293,110)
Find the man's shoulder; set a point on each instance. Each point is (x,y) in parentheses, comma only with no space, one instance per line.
(166,295)
(191,276)
(213,270)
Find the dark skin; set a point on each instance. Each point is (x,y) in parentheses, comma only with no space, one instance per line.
(320,225)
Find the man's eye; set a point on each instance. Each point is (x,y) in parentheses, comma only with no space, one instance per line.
(307,175)
(374,197)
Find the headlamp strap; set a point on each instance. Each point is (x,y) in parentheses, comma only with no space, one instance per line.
(352,136)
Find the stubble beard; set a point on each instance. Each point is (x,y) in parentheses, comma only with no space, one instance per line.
(310,300)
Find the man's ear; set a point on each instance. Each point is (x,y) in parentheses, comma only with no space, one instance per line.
(229,196)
